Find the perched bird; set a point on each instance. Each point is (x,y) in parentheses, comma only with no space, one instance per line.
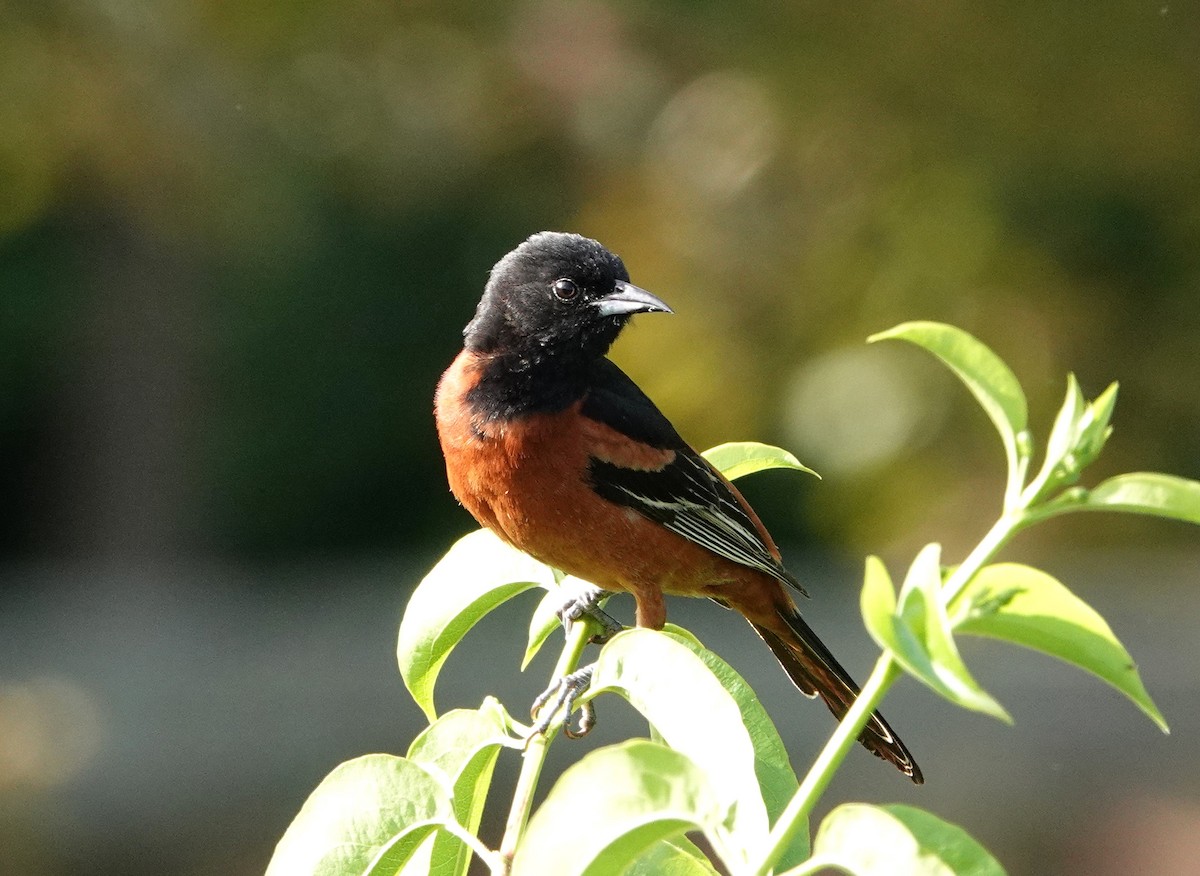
(552,447)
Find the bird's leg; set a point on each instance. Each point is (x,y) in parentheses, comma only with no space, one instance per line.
(651,608)
(584,600)
(561,696)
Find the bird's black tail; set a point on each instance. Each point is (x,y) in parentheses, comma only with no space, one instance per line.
(814,670)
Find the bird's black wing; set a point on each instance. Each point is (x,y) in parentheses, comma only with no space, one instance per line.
(685,495)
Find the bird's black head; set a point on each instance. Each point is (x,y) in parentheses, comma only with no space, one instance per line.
(557,299)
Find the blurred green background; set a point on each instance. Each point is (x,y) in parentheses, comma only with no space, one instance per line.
(237,246)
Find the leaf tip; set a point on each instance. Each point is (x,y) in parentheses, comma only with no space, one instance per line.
(1157,717)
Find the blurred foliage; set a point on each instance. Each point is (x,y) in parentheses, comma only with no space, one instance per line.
(238,242)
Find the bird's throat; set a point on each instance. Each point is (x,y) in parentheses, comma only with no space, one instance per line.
(513,385)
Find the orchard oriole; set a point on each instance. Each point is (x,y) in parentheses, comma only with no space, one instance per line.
(552,447)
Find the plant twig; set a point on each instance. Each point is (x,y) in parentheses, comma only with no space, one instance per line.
(882,677)
(1009,524)
(534,756)
(795,816)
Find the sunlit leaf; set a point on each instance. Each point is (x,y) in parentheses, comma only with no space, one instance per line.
(924,574)
(878,597)
(355,813)
(1065,432)
(939,665)
(477,574)
(922,608)
(410,851)
(694,714)
(1026,606)
(1079,433)
(677,856)
(1159,495)
(740,458)
(985,374)
(919,634)
(898,840)
(464,745)
(776,779)
(452,740)
(1095,429)
(542,624)
(631,795)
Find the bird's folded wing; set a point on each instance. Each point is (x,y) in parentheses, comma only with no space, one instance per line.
(684,494)
(687,497)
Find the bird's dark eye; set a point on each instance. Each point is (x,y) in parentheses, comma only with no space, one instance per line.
(565,289)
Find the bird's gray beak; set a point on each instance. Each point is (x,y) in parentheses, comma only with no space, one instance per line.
(628,298)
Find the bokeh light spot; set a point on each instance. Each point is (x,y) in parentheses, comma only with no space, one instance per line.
(713,137)
(852,410)
(50,729)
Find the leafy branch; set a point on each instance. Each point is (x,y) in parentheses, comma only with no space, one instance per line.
(728,776)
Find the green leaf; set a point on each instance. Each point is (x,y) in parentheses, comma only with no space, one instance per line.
(925,574)
(1158,495)
(665,681)
(632,795)
(1079,433)
(477,574)
(740,458)
(1026,606)
(878,601)
(355,813)
(464,745)
(406,853)
(985,374)
(922,608)
(673,857)
(898,840)
(919,635)
(409,851)
(776,779)
(542,624)
(451,742)
(1095,430)
(1066,424)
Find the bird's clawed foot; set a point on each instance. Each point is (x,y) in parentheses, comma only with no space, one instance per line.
(560,697)
(584,601)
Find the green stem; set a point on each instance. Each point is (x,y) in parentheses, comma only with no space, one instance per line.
(1009,524)
(492,859)
(1018,464)
(885,673)
(795,816)
(535,752)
